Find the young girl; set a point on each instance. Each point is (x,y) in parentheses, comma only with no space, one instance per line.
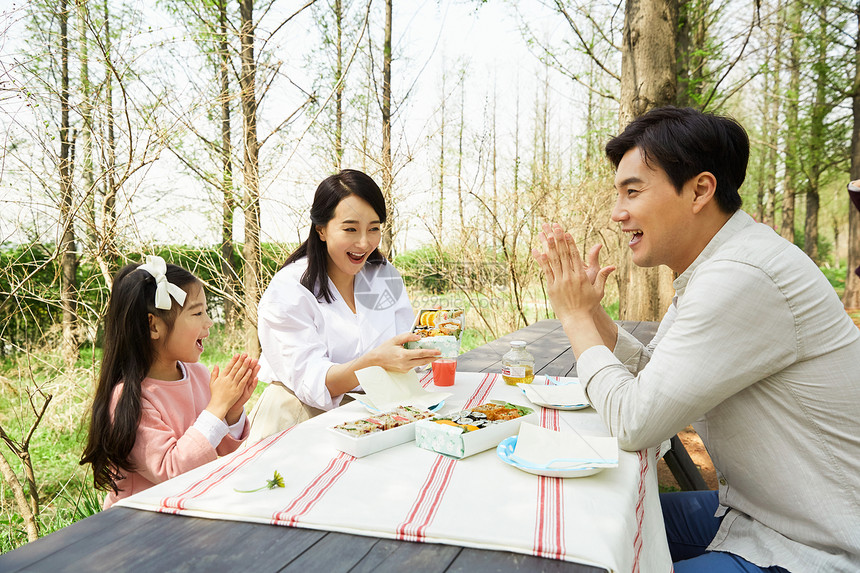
(157,412)
(336,306)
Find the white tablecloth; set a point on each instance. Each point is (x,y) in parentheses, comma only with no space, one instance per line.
(611,519)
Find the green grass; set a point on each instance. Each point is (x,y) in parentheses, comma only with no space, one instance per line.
(472,338)
(836,275)
(55,447)
(65,487)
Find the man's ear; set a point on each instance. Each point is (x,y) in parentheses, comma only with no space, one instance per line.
(157,328)
(704,187)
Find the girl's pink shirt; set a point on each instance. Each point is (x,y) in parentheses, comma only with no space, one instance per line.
(166,443)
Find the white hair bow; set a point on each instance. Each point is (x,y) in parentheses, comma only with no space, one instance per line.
(156,266)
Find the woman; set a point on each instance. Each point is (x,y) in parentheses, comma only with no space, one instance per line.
(336,306)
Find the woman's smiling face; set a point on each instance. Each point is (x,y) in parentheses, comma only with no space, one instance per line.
(350,236)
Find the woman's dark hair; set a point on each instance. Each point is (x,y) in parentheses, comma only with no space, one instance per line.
(329,194)
(685,142)
(128,355)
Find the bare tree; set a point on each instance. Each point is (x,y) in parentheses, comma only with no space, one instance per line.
(68,294)
(228,203)
(251,199)
(461,129)
(86,129)
(339,87)
(648,81)
(441,211)
(387,245)
(28,502)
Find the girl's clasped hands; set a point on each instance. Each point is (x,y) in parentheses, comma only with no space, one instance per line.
(232,388)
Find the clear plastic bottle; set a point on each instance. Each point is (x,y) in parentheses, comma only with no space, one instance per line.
(518,366)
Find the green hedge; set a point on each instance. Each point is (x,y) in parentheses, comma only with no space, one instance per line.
(30,310)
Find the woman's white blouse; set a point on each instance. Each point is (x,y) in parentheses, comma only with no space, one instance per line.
(302,337)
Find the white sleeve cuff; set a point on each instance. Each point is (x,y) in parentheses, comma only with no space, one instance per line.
(593,360)
(236,429)
(212,428)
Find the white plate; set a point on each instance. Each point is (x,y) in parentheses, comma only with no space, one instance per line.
(535,396)
(506,448)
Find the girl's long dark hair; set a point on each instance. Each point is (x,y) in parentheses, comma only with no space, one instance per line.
(330,192)
(127,357)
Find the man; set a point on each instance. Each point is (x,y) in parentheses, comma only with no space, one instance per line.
(756,351)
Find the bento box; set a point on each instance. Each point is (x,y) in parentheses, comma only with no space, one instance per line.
(439,328)
(378,432)
(469,432)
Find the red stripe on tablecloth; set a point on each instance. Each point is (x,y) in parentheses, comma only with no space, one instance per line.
(426,504)
(482,391)
(640,510)
(426,379)
(239,459)
(549,518)
(424,509)
(313,492)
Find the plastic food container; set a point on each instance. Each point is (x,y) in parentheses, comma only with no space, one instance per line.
(441,329)
(360,446)
(456,442)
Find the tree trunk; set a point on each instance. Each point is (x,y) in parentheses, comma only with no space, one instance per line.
(338,96)
(228,263)
(495,169)
(591,147)
(460,152)
(365,120)
(810,234)
(648,80)
(773,111)
(387,167)
(851,296)
(791,123)
(517,145)
(761,168)
(441,219)
(816,144)
(69,264)
(30,523)
(86,141)
(251,206)
(108,207)
(690,51)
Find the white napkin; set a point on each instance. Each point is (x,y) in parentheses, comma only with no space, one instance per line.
(548,395)
(386,390)
(539,446)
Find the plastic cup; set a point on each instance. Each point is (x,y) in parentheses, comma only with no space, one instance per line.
(443,371)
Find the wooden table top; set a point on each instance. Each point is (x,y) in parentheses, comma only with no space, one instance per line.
(123,539)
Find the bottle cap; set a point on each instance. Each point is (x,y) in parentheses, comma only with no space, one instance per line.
(518,343)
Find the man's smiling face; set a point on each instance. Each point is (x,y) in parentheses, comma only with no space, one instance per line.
(659,219)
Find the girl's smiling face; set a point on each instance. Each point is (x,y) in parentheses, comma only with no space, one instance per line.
(350,236)
(183,342)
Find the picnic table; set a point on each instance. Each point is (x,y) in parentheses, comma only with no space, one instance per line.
(167,539)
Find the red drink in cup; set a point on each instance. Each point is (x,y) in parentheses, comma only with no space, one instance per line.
(443,371)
